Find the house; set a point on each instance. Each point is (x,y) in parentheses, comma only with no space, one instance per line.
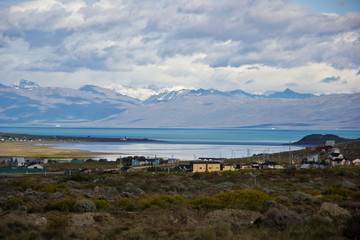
(5,161)
(356,162)
(85,171)
(147,161)
(330,143)
(211,159)
(312,166)
(206,166)
(183,167)
(244,166)
(34,166)
(171,161)
(17,162)
(271,165)
(311,159)
(255,165)
(336,158)
(305,166)
(227,167)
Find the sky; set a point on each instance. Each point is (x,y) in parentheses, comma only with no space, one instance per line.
(254,45)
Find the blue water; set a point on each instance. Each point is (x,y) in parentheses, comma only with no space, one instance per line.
(184,143)
(184,134)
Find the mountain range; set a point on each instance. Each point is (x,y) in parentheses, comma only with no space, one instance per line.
(26,103)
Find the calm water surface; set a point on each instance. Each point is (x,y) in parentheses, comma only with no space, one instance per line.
(184,143)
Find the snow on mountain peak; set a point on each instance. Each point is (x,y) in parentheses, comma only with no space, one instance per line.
(25,84)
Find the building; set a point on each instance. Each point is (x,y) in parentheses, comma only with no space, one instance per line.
(18,162)
(244,166)
(205,166)
(5,161)
(171,161)
(147,161)
(356,162)
(228,167)
(311,159)
(336,158)
(255,165)
(34,166)
(330,143)
(271,165)
(211,159)
(85,171)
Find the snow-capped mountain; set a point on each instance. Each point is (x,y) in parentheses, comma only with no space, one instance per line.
(96,106)
(173,95)
(25,84)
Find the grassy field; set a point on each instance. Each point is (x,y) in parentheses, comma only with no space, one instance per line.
(37,149)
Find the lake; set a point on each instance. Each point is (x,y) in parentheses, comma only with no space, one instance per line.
(184,143)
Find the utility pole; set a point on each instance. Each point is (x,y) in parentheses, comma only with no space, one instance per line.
(290,153)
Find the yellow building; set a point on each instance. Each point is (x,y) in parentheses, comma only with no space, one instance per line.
(245,166)
(205,166)
(228,167)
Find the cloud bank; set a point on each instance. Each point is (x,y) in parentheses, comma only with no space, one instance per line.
(228,44)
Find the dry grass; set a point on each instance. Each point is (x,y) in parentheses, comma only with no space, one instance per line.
(25,149)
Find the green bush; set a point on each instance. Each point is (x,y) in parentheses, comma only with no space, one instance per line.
(14,203)
(125,203)
(337,190)
(101,204)
(164,201)
(58,222)
(67,205)
(242,197)
(206,202)
(49,188)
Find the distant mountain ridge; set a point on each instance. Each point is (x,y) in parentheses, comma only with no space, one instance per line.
(28,104)
(172,95)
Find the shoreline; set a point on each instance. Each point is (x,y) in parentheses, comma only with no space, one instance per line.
(18,137)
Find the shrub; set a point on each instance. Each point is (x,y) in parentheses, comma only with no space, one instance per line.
(312,192)
(206,202)
(101,204)
(67,204)
(280,218)
(125,203)
(303,197)
(58,222)
(337,190)
(242,197)
(14,204)
(49,188)
(164,201)
(85,206)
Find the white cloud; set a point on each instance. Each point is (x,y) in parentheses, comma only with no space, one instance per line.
(187,43)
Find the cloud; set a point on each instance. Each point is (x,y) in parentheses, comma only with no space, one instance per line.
(184,42)
(249,81)
(330,79)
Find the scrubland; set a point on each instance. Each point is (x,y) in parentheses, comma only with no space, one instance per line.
(258,204)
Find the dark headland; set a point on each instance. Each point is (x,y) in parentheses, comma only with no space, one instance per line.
(320,139)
